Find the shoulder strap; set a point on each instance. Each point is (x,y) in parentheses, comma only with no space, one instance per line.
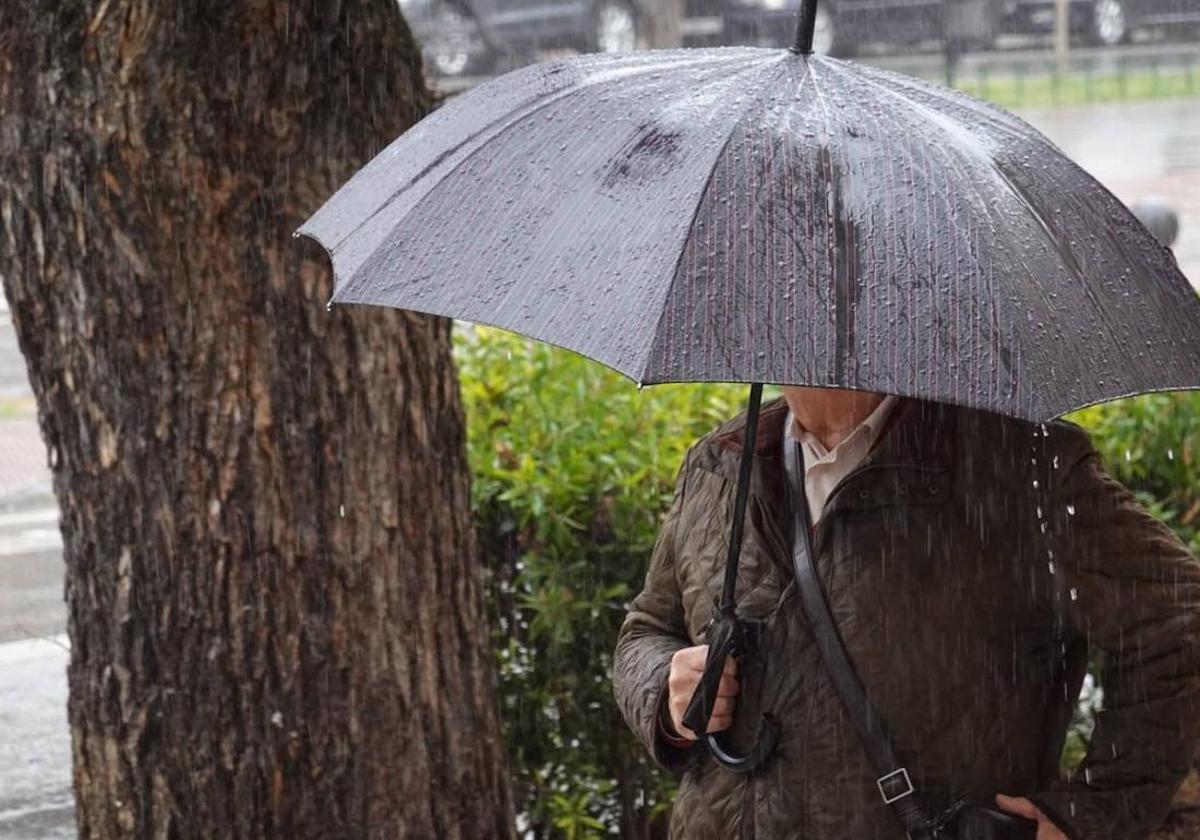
(895,786)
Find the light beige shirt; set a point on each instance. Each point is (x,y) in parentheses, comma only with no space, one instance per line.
(824,468)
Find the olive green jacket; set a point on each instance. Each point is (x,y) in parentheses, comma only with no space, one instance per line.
(940,559)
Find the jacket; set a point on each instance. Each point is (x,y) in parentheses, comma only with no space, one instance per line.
(941,559)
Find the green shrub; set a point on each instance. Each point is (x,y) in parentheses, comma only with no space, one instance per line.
(1152,445)
(573,469)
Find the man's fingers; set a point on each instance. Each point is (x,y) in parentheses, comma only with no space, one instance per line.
(723,707)
(695,658)
(1018,805)
(689,659)
(718,723)
(728,688)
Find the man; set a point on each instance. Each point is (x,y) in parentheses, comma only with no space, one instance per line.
(940,534)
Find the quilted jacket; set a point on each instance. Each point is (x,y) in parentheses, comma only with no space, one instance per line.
(941,560)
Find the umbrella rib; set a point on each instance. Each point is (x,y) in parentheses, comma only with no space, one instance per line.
(1071,265)
(510,120)
(703,193)
(930,117)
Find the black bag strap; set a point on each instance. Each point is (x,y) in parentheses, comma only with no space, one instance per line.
(895,785)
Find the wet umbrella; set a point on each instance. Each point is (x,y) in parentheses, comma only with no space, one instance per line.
(768,216)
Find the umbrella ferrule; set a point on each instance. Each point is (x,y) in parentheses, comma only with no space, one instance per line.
(806,22)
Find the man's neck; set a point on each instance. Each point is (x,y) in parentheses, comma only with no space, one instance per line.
(830,414)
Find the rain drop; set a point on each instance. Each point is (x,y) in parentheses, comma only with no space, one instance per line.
(1053,568)
(342,511)
(1170,454)
(329,305)
(1070,510)
(1074,594)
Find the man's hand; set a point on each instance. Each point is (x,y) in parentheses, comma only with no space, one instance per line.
(1022,807)
(687,666)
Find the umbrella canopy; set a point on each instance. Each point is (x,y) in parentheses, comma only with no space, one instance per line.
(756,215)
(760,215)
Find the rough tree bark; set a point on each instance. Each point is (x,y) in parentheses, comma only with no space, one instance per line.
(275,615)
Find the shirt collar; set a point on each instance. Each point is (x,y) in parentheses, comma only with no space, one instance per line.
(872,425)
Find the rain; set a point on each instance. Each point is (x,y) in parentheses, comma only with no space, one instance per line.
(817,385)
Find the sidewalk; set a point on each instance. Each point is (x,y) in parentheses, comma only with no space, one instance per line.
(35,780)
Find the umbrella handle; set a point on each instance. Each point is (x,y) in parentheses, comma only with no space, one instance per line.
(729,635)
(764,745)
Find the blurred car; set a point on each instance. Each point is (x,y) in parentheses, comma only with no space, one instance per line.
(1103,22)
(450,39)
(458,37)
(843,25)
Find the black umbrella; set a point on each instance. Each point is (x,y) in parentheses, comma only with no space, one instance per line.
(758,215)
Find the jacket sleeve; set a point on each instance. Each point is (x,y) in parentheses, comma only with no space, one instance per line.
(652,631)
(1133,591)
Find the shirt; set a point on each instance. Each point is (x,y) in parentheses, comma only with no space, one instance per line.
(824,468)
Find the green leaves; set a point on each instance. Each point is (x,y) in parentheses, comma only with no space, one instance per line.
(573,468)
(1152,444)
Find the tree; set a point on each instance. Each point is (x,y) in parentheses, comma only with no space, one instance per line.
(274,606)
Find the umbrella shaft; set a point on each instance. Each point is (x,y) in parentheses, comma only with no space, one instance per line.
(806,21)
(743,492)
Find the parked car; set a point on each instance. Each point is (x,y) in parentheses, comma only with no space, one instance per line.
(842,26)
(1103,22)
(463,36)
(450,39)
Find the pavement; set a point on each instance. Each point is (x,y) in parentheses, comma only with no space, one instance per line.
(35,750)
(1137,150)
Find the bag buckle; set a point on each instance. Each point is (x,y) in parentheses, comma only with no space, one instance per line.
(894,786)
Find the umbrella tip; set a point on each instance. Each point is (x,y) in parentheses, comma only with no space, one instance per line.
(806,22)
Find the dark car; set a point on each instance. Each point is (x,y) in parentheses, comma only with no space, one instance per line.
(1104,22)
(465,36)
(842,26)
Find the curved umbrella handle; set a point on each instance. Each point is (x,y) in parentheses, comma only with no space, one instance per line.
(764,745)
(728,635)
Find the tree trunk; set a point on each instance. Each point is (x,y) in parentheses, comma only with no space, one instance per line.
(274,606)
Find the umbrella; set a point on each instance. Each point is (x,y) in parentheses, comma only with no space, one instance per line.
(768,216)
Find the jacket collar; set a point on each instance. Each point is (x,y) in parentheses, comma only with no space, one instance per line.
(918,437)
